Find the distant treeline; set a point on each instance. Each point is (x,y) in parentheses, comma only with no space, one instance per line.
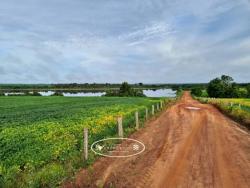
(93,86)
(215,88)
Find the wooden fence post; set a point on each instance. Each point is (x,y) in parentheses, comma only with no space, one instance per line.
(85,143)
(239,105)
(157,106)
(153,109)
(161,105)
(120,128)
(146,113)
(231,104)
(136,120)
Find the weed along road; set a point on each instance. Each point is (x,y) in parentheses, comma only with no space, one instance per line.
(188,145)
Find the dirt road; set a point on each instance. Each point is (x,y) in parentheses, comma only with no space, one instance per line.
(185,147)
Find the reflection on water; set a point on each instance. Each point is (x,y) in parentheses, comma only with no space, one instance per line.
(148,93)
(82,94)
(160,93)
(16,93)
(46,93)
(75,94)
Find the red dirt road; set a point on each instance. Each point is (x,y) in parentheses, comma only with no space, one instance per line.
(184,148)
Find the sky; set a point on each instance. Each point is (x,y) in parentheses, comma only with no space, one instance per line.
(149,41)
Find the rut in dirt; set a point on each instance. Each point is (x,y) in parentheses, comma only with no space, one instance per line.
(189,145)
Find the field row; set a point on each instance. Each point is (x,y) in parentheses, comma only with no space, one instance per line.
(41,137)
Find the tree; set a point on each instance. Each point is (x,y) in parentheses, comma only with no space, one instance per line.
(248,90)
(215,88)
(222,87)
(57,93)
(196,91)
(125,91)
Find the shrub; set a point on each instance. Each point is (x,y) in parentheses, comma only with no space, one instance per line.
(125,91)
(57,93)
(196,91)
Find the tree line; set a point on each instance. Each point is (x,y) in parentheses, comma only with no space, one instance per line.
(223,87)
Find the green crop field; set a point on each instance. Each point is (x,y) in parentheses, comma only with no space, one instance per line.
(237,108)
(41,137)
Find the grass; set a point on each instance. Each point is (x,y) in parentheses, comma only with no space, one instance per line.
(237,109)
(41,137)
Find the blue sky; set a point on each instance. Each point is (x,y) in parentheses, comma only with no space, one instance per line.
(150,41)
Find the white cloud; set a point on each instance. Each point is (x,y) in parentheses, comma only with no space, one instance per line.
(113,41)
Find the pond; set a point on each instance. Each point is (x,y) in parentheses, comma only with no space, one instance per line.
(75,94)
(84,94)
(148,93)
(160,93)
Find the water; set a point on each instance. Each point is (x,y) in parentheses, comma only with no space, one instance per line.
(16,93)
(160,93)
(46,93)
(77,94)
(148,93)
(84,94)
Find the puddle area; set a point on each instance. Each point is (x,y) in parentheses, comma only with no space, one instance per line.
(192,108)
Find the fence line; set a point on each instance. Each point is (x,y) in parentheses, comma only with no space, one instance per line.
(136,120)
(85,143)
(120,127)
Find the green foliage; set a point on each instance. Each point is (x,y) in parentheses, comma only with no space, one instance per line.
(57,93)
(196,91)
(231,108)
(179,92)
(36,94)
(125,91)
(224,87)
(248,90)
(41,137)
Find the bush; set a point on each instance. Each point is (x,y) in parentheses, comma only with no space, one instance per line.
(224,87)
(196,92)
(125,91)
(57,93)
(36,94)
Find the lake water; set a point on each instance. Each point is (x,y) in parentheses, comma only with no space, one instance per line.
(148,93)
(17,93)
(46,93)
(160,93)
(84,94)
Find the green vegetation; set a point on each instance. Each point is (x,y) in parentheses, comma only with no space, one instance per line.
(196,91)
(72,87)
(41,137)
(224,87)
(237,109)
(126,91)
(57,93)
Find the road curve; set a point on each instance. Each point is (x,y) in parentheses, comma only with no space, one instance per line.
(189,145)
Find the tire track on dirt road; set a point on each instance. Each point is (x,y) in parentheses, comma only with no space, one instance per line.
(189,145)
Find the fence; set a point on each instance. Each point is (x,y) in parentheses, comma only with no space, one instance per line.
(225,103)
(120,131)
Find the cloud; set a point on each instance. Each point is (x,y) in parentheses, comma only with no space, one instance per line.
(46,41)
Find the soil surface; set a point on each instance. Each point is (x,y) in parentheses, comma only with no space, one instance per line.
(188,145)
